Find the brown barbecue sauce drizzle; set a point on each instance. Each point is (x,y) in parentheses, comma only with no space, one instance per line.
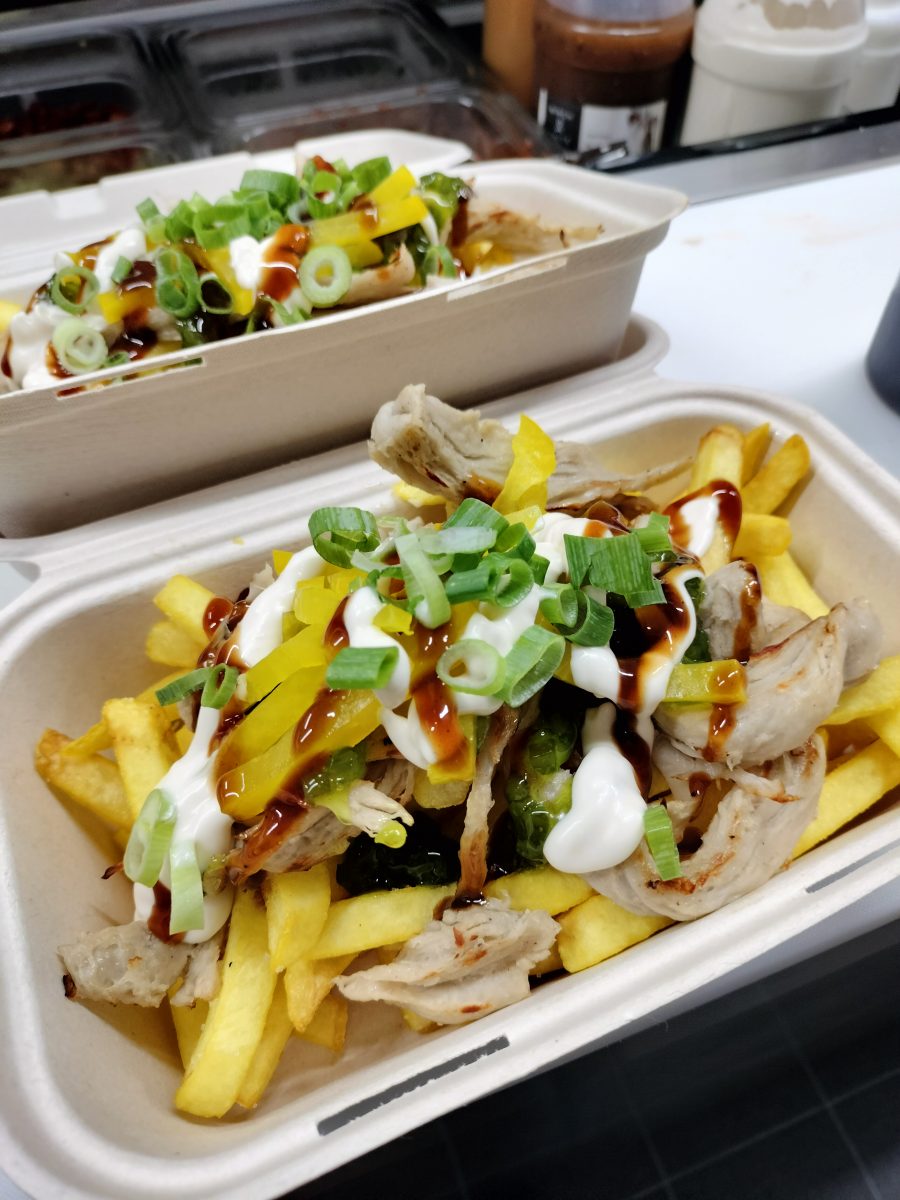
(728,503)
(282,261)
(160,915)
(751,598)
(268,835)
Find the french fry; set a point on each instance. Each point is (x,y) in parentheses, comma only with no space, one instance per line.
(540,887)
(97,737)
(439,795)
(878,693)
(378,918)
(237,1016)
(755,449)
(296,907)
(776,479)
(139,732)
(552,962)
(91,781)
(328,1027)
(719,456)
(306,984)
(850,789)
(783,582)
(887,726)
(171,646)
(188,1022)
(761,534)
(184,602)
(597,929)
(418,1024)
(277,1030)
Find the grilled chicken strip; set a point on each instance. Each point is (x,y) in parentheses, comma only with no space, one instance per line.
(756,825)
(456,454)
(124,964)
(791,688)
(472,962)
(382,283)
(519,234)
(286,837)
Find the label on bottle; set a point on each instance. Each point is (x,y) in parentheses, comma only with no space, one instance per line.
(620,132)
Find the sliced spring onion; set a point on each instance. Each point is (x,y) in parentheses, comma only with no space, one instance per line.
(193,681)
(516,541)
(616,564)
(219,686)
(325,275)
(477,513)
(73,288)
(514,582)
(149,840)
(337,532)
(285,315)
(122,269)
(439,261)
(214,295)
(79,347)
(594,624)
(177,283)
(147,210)
(187,888)
(457,540)
(579,553)
(472,666)
(180,222)
(119,359)
(661,842)
(561,607)
(282,187)
(539,567)
(531,662)
(362,667)
(654,536)
(367,175)
(219,224)
(424,590)
(326,182)
(475,584)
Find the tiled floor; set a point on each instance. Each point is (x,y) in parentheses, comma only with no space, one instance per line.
(786,1090)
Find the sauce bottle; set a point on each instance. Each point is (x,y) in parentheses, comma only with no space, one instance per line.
(604,70)
(508,45)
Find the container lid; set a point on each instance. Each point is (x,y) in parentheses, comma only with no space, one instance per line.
(626,12)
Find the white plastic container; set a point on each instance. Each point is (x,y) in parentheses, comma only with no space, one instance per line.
(875,82)
(770,64)
(86,1092)
(252,402)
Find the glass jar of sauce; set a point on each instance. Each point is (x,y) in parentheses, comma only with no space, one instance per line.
(604,70)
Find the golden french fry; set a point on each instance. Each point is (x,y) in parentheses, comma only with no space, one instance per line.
(184,602)
(844,740)
(878,693)
(139,732)
(439,795)
(188,1022)
(92,741)
(237,1016)
(296,907)
(277,1030)
(887,726)
(783,582)
(171,646)
(552,962)
(776,479)
(378,918)
(328,1027)
(540,887)
(850,789)
(756,446)
(719,456)
(91,781)
(761,534)
(418,1024)
(306,984)
(597,929)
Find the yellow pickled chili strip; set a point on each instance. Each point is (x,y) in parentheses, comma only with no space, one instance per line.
(397,186)
(461,766)
(115,306)
(534,461)
(364,254)
(280,559)
(301,652)
(392,619)
(274,715)
(417,497)
(363,225)
(334,721)
(220,262)
(314,603)
(720,682)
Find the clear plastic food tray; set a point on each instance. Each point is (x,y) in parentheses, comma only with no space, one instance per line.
(253,402)
(86,1094)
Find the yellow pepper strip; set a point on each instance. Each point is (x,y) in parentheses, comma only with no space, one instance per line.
(7,311)
(348,718)
(755,448)
(461,767)
(362,226)
(274,715)
(416,497)
(879,692)
(528,517)
(397,186)
(301,652)
(720,682)
(849,790)
(783,582)
(237,1016)
(277,1031)
(534,461)
(364,254)
(115,306)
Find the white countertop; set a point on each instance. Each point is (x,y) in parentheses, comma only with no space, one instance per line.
(783,290)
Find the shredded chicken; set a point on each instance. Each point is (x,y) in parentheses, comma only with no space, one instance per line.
(756,825)
(307,838)
(455,454)
(371,808)
(521,235)
(472,962)
(203,976)
(124,964)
